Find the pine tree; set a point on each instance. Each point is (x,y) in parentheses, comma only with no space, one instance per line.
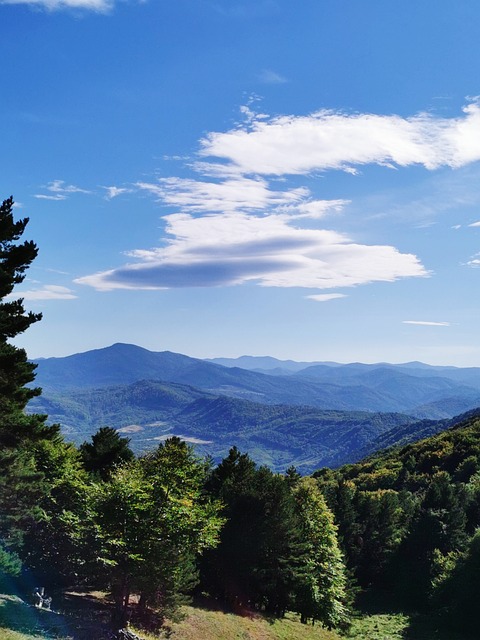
(106,451)
(20,484)
(16,429)
(262,555)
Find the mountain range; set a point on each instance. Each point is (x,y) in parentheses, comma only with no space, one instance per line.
(281,412)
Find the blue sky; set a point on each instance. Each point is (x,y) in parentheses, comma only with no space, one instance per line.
(223,177)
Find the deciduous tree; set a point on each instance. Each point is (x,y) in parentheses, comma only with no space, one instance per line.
(152,516)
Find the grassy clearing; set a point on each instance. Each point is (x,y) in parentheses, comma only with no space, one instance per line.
(80,618)
(84,615)
(398,626)
(217,625)
(380,626)
(18,621)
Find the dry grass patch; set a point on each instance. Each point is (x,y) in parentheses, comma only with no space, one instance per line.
(217,625)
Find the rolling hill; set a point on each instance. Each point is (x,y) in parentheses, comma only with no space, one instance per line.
(276,435)
(414,389)
(321,415)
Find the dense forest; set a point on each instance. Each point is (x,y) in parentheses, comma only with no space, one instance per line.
(409,521)
(166,523)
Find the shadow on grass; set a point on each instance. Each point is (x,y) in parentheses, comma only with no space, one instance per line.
(18,616)
(416,625)
(210,604)
(73,621)
(434,627)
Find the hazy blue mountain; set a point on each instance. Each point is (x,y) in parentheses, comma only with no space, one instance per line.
(323,415)
(263,363)
(276,435)
(123,364)
(343,373)
(413,388)
(118,364)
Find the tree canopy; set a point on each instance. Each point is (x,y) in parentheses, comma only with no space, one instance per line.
(21,484)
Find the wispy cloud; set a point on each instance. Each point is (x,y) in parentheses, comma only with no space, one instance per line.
(99,6)
(475,224)
(474,261)
(232,249)
(325,297)
(59,186)
(426,323)
(114,192)
(238,194)
(47,292)
(44,196)
(267,76)
(60,190)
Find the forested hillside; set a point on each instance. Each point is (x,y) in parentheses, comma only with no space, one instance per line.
(275,435)
(408,521)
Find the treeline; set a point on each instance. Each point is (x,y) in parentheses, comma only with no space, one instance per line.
(409,522)
(166,524)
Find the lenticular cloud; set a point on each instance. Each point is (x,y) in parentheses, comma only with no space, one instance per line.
(233,249)
(238,223)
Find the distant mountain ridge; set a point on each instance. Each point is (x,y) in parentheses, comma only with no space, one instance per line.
(264,363)
(336,370)
(414,388)
(323,414)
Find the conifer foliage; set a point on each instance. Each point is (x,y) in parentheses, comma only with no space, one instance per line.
(20,483)
(278,549)
(15,369)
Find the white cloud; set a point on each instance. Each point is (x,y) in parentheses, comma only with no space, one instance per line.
(59,186)
(235,248)
(325,297)
(474,261)
(238,194)
(60,190)
(100,6)
(331,140)
(47,292)
(236,224)
(426,323)
(114,192)
(315,209)
(267,76)
(475,224)
(42,196)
